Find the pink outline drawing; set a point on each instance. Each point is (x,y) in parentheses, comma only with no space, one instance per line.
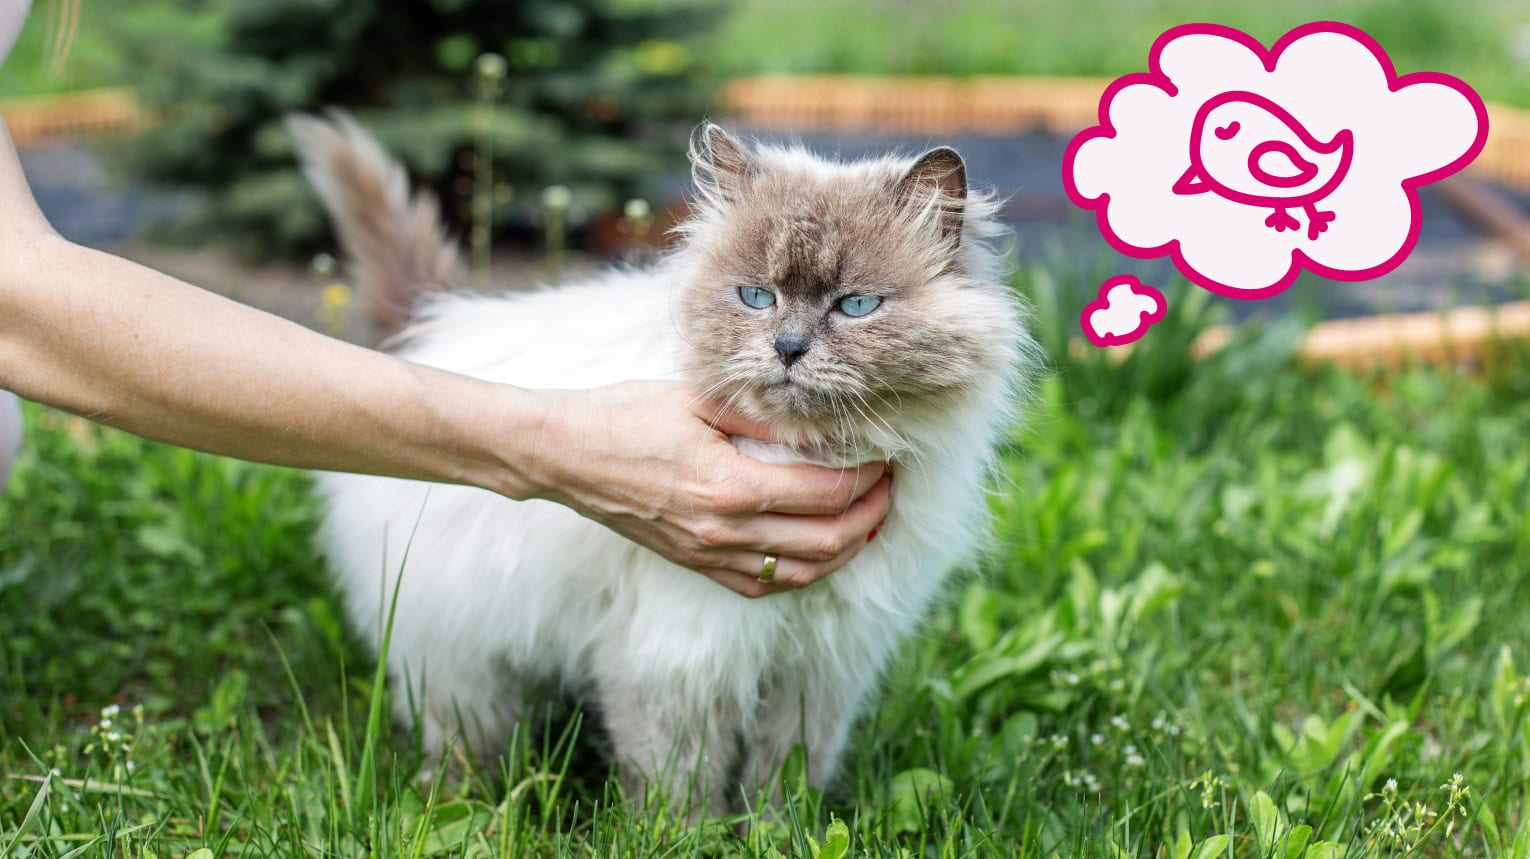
(1299,260)
(1197,179)
(1102,301)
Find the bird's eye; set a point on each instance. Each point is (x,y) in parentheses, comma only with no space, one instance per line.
(859,305)
(756,297)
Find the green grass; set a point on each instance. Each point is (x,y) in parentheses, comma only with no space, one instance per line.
(96,58)
(1484,42)
(1481,41)
(1231,603)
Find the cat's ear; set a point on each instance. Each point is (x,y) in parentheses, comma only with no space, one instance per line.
(939,175)
(720,164)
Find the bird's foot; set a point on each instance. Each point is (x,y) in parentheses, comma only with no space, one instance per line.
(1280,221)
(1317,221)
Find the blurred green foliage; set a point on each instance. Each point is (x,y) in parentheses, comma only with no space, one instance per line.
(585,83)
(1484,42)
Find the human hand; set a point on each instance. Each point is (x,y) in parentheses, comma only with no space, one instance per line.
(647,460)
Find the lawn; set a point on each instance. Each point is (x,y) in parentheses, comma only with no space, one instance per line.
(1235,608)
(96,56)
(1484,42)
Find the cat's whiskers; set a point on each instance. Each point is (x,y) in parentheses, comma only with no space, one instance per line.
(716,387)
(835,380)
(861,391)
(881,382)
(844,433)
(726,406)
(900,443)
(865,385)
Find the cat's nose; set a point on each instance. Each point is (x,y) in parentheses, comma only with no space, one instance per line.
(791,347)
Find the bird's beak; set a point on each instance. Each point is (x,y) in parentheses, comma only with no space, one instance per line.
(1192,181)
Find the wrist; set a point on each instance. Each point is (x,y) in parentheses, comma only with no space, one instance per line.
(479,433)
(513,443)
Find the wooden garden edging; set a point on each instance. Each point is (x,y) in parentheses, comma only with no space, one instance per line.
(1000,105)
(1465,337)
(91,113)
(984,105)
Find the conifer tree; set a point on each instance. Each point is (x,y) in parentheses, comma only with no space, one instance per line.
(584,86)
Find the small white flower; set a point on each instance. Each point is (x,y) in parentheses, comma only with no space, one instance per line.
(557,197)
(1066,678)
(113,736)
(637,209)
(109,711)
(1120,723)
(491,66)
(1097,739)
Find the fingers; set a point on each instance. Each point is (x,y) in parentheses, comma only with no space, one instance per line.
(743,576)
(806,548)
(733,423)
(743,584)
(757,487)
(791,573)
(807,490)
(819,538)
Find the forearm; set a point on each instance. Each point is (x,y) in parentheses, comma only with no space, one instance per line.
(121,344)
(128,346)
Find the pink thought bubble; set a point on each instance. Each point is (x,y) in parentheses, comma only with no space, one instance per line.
(1122,312)
(1247,165)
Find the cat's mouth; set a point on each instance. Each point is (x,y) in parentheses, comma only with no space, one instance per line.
(793,401)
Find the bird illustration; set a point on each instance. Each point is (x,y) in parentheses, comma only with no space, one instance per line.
(1250,150)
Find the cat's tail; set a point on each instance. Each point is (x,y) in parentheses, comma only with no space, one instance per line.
(396,246)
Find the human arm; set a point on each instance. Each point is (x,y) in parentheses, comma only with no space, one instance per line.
(100,336)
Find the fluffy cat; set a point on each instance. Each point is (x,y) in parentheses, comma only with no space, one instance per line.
(884,332)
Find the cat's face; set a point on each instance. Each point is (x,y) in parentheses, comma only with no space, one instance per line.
(829,298)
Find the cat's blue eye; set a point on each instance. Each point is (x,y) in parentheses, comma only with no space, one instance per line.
(756,297)
(859,305)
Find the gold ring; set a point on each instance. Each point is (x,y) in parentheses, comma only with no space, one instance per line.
(768,569)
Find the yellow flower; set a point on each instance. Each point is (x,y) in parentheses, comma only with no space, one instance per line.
(657,57)
(334,302)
